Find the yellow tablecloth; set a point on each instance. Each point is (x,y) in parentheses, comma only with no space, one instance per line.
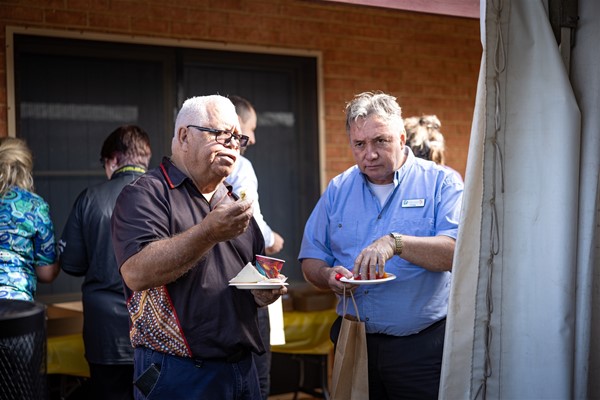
(66,356)
(307,332)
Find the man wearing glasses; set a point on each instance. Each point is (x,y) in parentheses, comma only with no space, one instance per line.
(180,235)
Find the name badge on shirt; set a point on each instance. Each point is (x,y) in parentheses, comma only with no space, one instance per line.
(410,203)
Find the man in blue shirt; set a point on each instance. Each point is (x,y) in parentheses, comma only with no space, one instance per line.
(394,213)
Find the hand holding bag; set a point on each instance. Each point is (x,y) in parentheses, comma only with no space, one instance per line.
(350,375)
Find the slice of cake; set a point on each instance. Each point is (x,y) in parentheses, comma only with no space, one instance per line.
(248,274)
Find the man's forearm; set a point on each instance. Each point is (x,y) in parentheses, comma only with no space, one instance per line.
(165,260)
(316,272)
(432,253)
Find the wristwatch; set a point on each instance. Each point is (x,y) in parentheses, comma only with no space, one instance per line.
(399,243)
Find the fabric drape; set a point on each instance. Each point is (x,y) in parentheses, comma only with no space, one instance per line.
(523,311)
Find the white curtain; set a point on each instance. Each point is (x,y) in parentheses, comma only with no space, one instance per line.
(523,314)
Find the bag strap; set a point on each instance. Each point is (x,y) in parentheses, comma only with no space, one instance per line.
(353,301)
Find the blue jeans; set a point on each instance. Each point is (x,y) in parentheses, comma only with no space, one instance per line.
(162,376)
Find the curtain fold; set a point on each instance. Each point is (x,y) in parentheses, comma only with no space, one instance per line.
(585,76)
(522,311)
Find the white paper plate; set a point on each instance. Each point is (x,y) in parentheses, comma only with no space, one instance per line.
(368,281)
(259,285)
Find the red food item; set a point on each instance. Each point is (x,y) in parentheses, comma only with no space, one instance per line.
(377,276)
(338,276)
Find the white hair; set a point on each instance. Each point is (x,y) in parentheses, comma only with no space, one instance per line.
(197,110)
(378,104)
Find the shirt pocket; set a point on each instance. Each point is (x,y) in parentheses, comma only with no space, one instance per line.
(346,241)
(421,227)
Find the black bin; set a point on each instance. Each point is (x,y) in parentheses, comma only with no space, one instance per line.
(22,350)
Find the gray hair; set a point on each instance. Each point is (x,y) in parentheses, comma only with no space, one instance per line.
(197,110)
(377,104)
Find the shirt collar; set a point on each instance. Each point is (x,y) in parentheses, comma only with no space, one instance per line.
(132,169)
(408,163)
(401,172)
(171,173)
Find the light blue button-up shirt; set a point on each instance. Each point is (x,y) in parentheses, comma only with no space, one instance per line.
(425,201)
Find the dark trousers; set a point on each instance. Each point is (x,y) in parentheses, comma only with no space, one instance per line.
(113,382)
(404,367)
(263,362)
(160,376)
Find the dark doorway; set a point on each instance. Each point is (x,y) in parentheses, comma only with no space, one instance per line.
(71,93)
(285,157)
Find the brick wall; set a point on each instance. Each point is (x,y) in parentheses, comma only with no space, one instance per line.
(429,62)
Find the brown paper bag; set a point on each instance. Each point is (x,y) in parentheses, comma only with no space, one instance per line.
(350,375)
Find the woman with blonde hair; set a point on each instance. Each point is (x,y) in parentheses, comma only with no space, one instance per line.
(425,139)
(423,135)
(27,245)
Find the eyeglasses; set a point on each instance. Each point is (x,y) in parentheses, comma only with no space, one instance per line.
(223,137)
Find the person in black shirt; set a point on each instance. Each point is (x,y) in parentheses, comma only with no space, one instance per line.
(180,235)
(86,250)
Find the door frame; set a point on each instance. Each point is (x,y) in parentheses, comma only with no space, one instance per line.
(11,30)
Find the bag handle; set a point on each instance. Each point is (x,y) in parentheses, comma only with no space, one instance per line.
(353,301)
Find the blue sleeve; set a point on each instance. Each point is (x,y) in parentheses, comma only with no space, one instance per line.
(44,245)
(315,241)
(449,207)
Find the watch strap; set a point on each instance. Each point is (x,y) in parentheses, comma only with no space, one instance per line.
(399,243)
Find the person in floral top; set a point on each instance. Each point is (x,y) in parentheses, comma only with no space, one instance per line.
(27,245)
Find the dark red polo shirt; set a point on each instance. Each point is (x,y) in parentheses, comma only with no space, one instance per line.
(199,315)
